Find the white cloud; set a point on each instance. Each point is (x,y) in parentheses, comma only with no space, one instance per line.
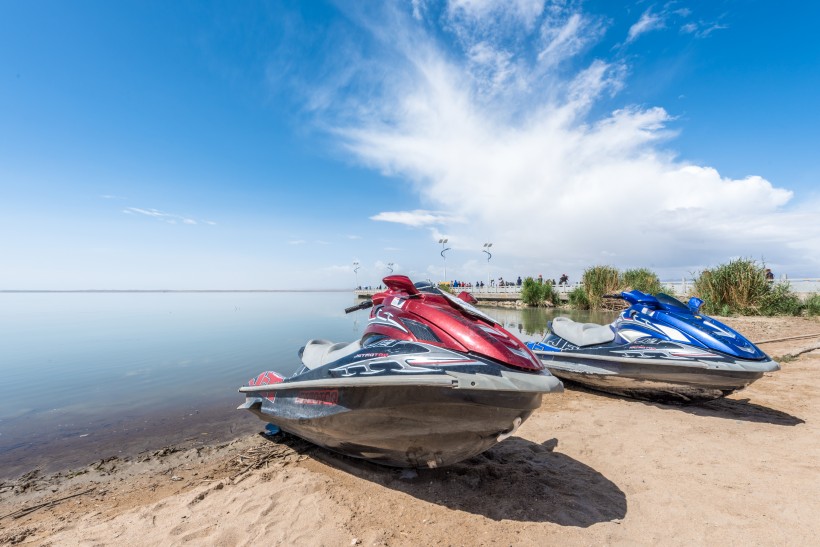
(702,29)
(532,169)
(480,12)
(565,36)
(416,218)
(689,28)
(169,218)
(648,21)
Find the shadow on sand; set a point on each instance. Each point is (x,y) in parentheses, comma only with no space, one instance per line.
(730,409)
(515,480)
(739,409)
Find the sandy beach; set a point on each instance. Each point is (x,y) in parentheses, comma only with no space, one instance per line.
(586,468)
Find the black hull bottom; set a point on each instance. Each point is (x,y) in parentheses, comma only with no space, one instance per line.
(667,386)
(400,426)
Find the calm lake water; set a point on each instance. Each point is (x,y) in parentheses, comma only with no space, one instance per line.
(87,376)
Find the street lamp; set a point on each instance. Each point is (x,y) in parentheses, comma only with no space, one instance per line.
(443,250)
(356,271)
(489,256)
(390,267)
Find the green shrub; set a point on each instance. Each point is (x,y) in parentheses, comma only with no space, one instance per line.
(741,287)
(447,287)
(551,295)
(531,292)
(812,304)
(780,300)
(537,294)
(578,298)
(641,279)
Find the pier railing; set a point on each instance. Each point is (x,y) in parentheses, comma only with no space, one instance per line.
(803,287)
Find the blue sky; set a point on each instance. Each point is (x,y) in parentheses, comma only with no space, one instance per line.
(270,145)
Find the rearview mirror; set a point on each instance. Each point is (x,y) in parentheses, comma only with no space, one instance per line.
(695,304)
(467,297)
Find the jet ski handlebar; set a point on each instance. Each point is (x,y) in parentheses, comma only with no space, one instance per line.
(363,306)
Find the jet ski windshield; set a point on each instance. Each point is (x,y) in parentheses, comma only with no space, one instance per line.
(671,302)
(428,287)
(469,308)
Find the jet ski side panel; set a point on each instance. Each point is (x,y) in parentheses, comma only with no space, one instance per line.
(651,369)
(401,426)
(401,403)
(663,382)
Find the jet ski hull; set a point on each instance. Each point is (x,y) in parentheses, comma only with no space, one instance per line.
(656,379)
(658,349)
(422,426)
(410,421)
(400,403)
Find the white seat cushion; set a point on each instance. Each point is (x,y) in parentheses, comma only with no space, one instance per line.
(582,334)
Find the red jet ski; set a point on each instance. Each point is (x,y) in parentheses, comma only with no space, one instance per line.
(432,381)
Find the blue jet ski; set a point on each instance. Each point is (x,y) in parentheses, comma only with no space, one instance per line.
(658,349)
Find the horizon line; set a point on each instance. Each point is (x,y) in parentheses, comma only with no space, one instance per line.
(165,290)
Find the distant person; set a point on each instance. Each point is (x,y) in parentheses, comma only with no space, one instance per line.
(540,279)
(769,275)
(564,280)
(518,282)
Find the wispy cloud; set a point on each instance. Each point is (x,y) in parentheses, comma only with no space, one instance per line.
(520,154)
(649,21)
(297,242)
(169,218)
(702,29)
(416,218)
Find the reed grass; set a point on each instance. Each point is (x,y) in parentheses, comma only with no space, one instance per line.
(641,279)
(812,304)
(741,287)
(598,281)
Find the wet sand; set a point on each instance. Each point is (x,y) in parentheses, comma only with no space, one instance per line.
(586,468)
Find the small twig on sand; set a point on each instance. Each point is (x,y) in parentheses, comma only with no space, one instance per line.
(789,338)
(244,471)
(23,512)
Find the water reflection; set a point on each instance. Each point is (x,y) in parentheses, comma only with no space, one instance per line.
(76,364)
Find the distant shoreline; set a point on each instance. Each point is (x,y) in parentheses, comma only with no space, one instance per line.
(6,291)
